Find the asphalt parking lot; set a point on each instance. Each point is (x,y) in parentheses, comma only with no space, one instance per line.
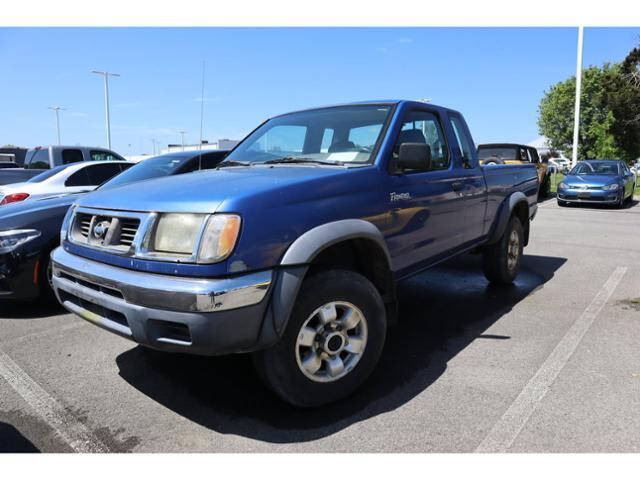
(551,364)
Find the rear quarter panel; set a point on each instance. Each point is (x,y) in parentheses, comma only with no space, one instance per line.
(503,181)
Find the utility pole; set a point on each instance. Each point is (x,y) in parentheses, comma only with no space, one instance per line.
(153,140)
(57,110)
(182,132)
(106,76)
(576,115)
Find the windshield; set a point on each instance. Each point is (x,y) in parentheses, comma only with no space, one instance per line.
(47,174)
(497,154)
(335,135)
(595,168)
(149,168)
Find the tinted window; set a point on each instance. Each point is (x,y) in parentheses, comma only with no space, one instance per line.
(327,140)
(463,138)
(365,138)
(424,127)
(149,168)
(595,168)
(40,160)
(103,155)
(495,154)
(78,179)
(71,156)
(101,173)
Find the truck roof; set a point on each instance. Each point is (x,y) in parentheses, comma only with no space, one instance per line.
(410,103)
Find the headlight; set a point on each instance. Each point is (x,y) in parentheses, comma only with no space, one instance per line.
(64,229)
(12,239)
(196,238)
(177,233)
(613,187)
(562,185)
(219,238)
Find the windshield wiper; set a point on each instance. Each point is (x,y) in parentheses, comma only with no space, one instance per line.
(298,160)
(233,163)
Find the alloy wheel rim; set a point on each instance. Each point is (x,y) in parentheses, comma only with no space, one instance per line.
(331,341)
(513,250)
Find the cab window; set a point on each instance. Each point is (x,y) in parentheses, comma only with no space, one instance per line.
(40,160)
(463,139)
(102,155)
(71,155)
(424,127)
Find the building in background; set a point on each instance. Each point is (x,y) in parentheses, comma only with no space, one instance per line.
(221,144)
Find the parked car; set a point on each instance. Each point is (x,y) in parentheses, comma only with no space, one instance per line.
(29,231)
(292,247)
(597,181)
(510,154)
(74,178)
(39,159)
(563,164)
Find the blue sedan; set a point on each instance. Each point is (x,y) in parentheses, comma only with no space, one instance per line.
(608,182)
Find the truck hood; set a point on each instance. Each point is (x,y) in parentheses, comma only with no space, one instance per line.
(204,191)
(594,180)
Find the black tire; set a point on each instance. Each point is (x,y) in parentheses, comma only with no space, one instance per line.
(496,263)
(45,278)
(622,200)
(278,365)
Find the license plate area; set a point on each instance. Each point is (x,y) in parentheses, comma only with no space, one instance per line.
(584,195)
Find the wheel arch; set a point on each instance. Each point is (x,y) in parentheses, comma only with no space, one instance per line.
(515,204)
(349,244)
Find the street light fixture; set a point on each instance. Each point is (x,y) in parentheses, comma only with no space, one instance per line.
(106,76)
(182,132)
(57,110)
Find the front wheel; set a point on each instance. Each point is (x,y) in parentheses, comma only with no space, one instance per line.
(332,342)
(501,260)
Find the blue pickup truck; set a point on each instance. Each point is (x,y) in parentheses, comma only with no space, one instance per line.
(292,247)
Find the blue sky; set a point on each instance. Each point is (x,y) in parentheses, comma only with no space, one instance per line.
(495,76)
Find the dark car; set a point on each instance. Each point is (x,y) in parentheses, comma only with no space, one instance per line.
(29,231)
(608,182)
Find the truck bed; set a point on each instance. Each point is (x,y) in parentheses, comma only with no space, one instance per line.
(16,175)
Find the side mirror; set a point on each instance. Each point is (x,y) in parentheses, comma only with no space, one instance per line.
(414,156)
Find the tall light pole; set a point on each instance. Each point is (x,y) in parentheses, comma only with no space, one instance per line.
(182,132)
(106,76)
(576,114)
(153,140)
(57,110)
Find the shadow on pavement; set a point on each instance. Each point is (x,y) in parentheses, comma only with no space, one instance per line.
(26,310)
(442,311)
(12,441)
(594,206)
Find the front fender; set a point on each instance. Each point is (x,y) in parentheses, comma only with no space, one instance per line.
(295,263)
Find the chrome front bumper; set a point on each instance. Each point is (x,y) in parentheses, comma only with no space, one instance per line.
(205,316)
(161,291)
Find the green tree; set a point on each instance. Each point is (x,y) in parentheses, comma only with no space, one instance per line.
(609,111)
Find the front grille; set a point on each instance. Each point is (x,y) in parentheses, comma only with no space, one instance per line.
(84,224)
(128,230)
(109,230)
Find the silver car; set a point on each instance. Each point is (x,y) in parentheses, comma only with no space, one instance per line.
(73,178)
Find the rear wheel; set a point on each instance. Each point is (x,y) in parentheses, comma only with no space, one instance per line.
(501,260)
(332,342)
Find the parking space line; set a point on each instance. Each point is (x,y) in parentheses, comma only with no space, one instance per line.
(506,430)
(73,432)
